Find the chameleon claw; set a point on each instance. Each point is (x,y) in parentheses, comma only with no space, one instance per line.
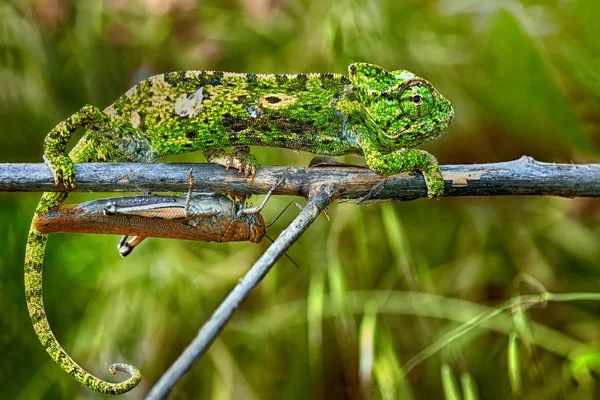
(57,179)
(227,163)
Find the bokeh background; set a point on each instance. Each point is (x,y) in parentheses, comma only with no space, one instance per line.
(377,283)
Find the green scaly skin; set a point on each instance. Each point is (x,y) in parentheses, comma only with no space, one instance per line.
(380,114)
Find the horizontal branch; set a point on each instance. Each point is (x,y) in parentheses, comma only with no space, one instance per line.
(524,176)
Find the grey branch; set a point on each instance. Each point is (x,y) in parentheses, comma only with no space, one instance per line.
(524,176)
(319,198)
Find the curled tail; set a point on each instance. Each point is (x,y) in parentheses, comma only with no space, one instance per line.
(34,265)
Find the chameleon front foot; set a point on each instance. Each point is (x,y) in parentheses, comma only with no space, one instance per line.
(435,183)
(405,160)
(239,158)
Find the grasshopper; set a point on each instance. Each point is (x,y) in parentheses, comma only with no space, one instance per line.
(206,217)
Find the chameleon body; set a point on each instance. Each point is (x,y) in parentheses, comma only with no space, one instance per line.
(380,114)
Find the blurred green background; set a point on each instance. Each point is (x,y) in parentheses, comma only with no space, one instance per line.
(377,283)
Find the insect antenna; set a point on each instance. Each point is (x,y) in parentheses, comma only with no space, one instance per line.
(282,211)
(285,254)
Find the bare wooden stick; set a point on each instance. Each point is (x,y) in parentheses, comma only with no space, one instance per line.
(319,198)
(524,176)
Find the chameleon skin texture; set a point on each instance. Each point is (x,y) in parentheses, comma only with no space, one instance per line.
(380,114)
(373,112)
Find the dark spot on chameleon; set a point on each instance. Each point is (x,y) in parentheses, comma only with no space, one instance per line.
(214,82)
(142,120)
(234,124)
(406,126)
(151,93)
(36,236)
(281,79)
(158,118)
(300,82)
(190,134)
(109,137)
(237,127)
(120,136)
(227,115)
(251,80)
(240,99)
(272,99)
(171,78)
(183,78)
(219,74)
(168,99)
(313,107)
(37,318)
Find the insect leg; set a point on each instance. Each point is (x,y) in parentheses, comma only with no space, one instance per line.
(256,210)
(125,247)
(189,196)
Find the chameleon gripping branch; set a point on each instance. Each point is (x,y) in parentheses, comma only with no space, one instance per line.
(320,197)
(524,176)
(380,114)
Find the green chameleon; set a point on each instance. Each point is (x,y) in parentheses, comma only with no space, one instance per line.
(380,114)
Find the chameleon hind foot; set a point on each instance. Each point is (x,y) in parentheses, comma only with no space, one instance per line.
(239,158)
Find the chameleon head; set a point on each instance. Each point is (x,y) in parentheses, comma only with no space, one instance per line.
(406,109)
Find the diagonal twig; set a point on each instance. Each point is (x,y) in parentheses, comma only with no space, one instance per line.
(319,198)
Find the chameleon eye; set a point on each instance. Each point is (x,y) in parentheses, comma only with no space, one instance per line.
(417,101)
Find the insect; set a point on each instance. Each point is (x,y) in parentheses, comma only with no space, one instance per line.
(207,217)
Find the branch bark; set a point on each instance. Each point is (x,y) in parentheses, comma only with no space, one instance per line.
(320,197)
(524,176)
